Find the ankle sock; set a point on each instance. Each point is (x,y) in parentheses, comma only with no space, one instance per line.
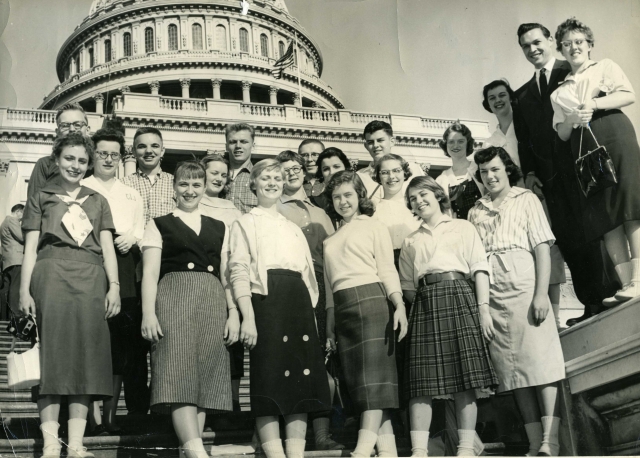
(295,448)
(273,449)
(50,433)
(465,442)
(76,428)
(419,443)
(366,441)
(386,444)
(550,429)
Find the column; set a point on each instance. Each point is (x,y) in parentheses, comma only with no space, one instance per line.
(273,95)
(246,94)
(216,83)
(129,161)
(99,98)
(155,87)
(185,83)
(296,99)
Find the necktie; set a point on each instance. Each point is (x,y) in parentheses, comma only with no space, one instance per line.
(543,82)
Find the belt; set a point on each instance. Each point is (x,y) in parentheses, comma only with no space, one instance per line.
(430,279)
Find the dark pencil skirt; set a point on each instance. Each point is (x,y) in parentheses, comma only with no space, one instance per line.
(366,344)
(287,368)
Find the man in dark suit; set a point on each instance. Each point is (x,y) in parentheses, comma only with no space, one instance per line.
(548,168)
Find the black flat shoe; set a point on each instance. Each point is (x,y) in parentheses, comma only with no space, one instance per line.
(580,319)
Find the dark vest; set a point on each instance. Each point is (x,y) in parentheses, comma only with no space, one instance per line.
(184,251)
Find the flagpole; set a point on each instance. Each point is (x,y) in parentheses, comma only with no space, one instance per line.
(295,34)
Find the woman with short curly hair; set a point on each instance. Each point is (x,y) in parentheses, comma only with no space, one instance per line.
(363,288)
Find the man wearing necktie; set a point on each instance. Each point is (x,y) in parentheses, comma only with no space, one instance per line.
(549,171)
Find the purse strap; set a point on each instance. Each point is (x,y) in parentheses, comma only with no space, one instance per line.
(580,155)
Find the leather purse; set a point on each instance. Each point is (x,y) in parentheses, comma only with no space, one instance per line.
(23,369)
(595,169)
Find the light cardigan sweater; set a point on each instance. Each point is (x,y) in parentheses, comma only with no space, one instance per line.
(248,270)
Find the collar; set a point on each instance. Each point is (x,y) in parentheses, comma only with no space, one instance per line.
(444,219)
(548,68)
(248,165)
(181,213)
(257,211)
(142,174)
(53,187)
(514,192)
(216,202)
(571,77)
(93,181)
(299,195)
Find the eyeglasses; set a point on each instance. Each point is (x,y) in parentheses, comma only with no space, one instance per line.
(306,155)
(295,170)
(578,42)
(115,157)
(66,126)
(386,173)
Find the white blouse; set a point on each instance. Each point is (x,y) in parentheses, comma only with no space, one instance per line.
(220,209)
(508,141)
(448,178)
(394,214)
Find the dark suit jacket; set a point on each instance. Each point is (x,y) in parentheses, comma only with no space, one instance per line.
(539,147)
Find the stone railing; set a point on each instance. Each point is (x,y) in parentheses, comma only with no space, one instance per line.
(262,110)
(33,116)
(366,118)
(43,121)
(180,104)
(314,114)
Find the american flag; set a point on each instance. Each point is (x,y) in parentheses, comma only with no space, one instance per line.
(285,61)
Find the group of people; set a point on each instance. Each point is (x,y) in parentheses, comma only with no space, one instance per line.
(423,288)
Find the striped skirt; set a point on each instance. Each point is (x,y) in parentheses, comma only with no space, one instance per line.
(190,364)
(446,351)
(366,344)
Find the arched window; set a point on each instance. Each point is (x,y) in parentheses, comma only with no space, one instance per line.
(280,49)
(196,36)
(244,40)
(148,40)
(264,45)
(107,50)
(172,33)
(92,59)
(126,44)
(221,38)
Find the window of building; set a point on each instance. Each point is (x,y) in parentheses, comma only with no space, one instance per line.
(92,59)
(264,45)
(148,40)
(172,32)
(221,38)
(126,44)
(280,49)
(196,36)
(244,40)
(107,50)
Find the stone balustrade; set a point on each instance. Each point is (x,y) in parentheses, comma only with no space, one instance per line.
(37,122)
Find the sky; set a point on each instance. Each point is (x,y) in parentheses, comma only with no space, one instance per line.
(422,57)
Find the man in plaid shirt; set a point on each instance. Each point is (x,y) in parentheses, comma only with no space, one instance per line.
(240,145)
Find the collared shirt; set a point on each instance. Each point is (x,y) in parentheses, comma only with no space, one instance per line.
(44,170)
(374,190)
(548,69)
(239,192)
(220,209)
(12,242)
(125,203)
(157,195)
(508,141)
(453,245)
(519,223)
(394,214)
(313,189)
(314,222)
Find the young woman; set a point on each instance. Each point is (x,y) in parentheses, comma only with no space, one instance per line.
(331,161)
(189,314)
(446,352)
(363,289)
(213,203)
(273,279)
(587,105)
(68,249)
(525,348)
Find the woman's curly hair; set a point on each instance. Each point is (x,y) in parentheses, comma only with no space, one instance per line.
(391,157)
(365,206)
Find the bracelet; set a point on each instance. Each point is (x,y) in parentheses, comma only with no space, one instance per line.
(482,303)
(115,282)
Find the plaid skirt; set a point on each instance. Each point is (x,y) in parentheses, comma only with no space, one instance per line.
(446,351)
(366,345)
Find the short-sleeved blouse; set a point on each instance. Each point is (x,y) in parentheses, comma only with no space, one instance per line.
(45,210)
(604,76)
(519,223)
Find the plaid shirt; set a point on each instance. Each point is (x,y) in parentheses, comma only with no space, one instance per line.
(314,189)
(158,197)
(239,193)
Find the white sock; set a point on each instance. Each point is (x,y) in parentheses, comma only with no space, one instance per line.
(556,313)
(295,448)
(193,448)
(386,445)
(273,449)
(625,272)
(550,444)
(419,443)
(534,434)
(465,442)
(478,445)
(635,270)
(50,433)
(366,441)
(76,432)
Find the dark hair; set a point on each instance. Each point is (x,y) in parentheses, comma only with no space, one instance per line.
(573,25)
(289,155)
(461,128)
(147,130)
(74,139)
(231,128)
(216,157)
(329,153)
(17,207)
(189,170)
(391,157)
(488,154)
(526,27)
(365,206)
(310,141)
(492,85)
(375,126)
(109,135)
(70,107)
(426,182)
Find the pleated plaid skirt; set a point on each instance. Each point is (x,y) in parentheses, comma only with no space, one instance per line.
(190,364)
(366,345)
(446,351)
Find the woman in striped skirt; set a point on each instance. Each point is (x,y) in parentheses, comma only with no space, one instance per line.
(189,315)
(446,351)
(363,289)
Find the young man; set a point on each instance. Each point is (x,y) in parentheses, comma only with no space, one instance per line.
(240,144)
(310,149)
(378,141)
(549,170)
(128,348)
(12,242)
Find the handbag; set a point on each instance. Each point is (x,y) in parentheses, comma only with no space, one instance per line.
(595,169)
(23,369)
